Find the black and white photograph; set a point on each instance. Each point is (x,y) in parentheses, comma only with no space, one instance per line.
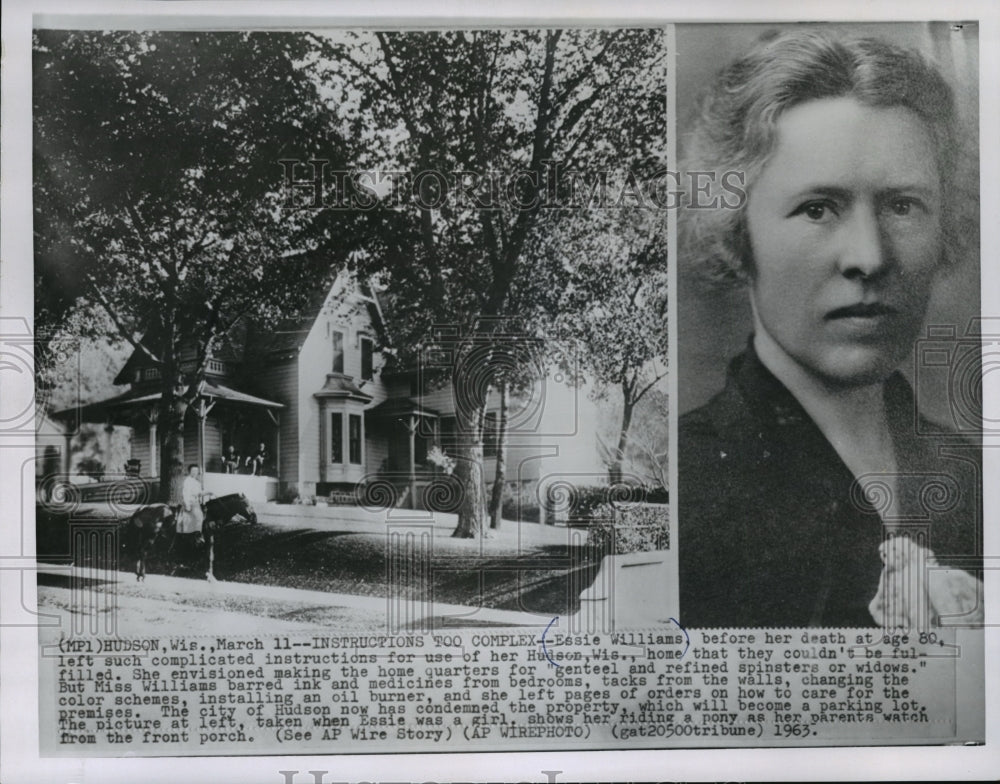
(829,326)
(370,330)
(522,393)
(318,283)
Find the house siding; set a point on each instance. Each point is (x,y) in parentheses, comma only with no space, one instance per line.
(343,312)
(140,448)
(213,444)
(441,400)
(314,362)
(376,451)
(278,381)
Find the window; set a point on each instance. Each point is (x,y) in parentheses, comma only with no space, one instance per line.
(336,437)
(355,438)
(367,351)
(337,338)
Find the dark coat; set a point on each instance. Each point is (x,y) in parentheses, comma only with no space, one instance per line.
(773,530)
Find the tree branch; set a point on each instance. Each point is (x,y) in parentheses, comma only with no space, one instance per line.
(126,333)
(334,53)
(426,225)
(139,228)
(572,84)
(503,272)
(650,385)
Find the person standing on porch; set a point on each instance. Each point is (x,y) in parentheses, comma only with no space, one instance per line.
(193,518)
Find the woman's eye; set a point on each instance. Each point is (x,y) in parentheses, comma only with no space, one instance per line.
(903,207)
(816,211)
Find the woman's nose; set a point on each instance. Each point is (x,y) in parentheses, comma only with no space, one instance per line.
(866,249)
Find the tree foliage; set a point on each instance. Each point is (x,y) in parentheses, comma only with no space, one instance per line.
(608,290)
(493,129)
(159,195)
(498,169)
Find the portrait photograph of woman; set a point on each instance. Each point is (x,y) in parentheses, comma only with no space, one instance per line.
(831,229)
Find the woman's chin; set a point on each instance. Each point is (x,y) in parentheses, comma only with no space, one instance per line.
(855,368)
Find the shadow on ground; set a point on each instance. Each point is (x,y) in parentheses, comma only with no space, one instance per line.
(545,578)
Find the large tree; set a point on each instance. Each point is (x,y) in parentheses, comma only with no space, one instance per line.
(607,289)
(492,128)
(160,196)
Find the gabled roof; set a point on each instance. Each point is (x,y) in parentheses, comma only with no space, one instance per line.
(231,348)
(287,336)
(135,361)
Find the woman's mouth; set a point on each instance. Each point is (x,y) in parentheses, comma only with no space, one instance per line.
(862,310)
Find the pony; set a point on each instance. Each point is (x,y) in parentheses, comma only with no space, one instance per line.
(150,524)
(219,512)
(142,530)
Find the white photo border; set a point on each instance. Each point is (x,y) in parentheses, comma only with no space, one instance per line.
(19,644)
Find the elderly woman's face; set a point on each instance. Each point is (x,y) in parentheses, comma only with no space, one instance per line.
(845,228)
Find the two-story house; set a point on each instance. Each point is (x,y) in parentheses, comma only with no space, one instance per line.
(318,395)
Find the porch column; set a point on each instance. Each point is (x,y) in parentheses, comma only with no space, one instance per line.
(201,435)
(109,430)
(67,450)
(153,441)
(436,428)
(275,417)
(411,428)
(203,409)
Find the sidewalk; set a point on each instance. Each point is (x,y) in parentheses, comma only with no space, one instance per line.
(355,519)
(177,605)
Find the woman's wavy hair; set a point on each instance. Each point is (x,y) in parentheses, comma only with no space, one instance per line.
(737,127)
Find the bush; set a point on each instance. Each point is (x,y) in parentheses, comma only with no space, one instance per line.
(92,467)
(576,503)
(629,528)
(288,495)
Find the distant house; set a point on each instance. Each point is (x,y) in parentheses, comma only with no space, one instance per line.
(329,411)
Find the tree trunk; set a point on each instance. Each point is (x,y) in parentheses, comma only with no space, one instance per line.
(615,469)
(496,498)
(469,472)
(172,412)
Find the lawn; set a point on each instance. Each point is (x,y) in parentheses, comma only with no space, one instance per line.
(534,579)
(508,572)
